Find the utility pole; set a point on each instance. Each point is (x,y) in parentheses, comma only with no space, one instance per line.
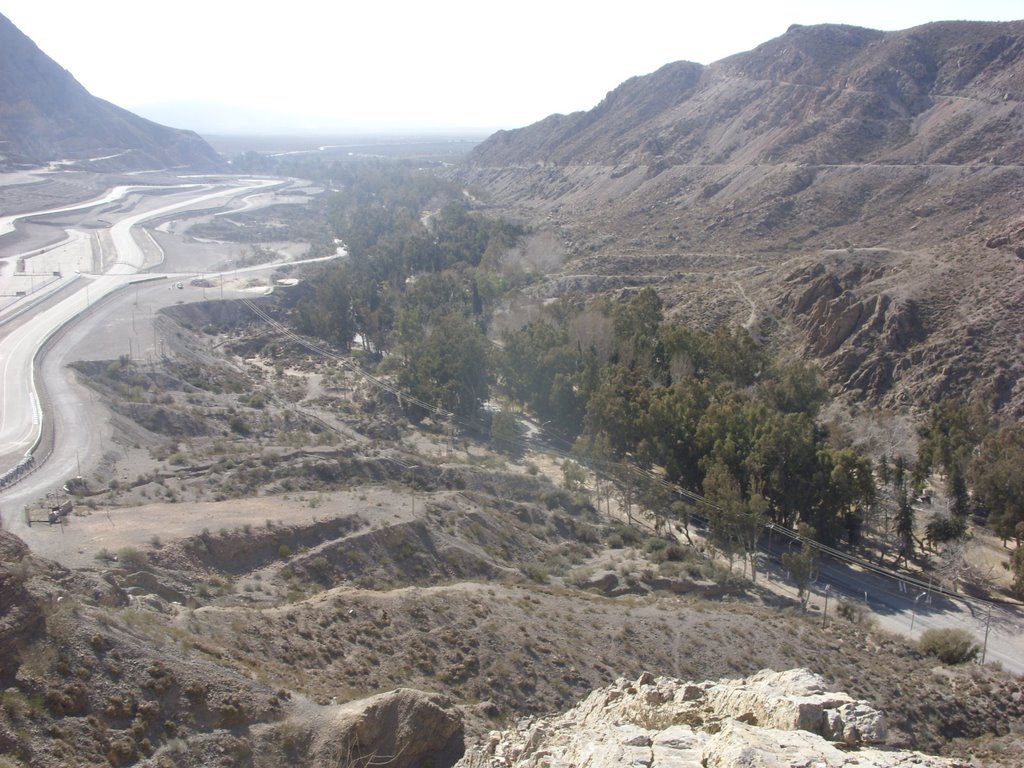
(913,614)
(988,624)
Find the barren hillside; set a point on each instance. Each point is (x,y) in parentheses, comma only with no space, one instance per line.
(854,190)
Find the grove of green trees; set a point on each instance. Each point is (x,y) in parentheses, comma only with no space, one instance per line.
(711,411)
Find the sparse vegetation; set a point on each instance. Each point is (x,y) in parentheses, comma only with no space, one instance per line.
(132,556)
(950,645)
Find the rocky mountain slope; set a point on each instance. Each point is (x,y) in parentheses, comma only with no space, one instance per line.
(46,115)
(853,191)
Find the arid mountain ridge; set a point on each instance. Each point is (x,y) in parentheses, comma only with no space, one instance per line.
(46,115)
(853,191)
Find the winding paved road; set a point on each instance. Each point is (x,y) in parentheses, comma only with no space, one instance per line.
(21,416)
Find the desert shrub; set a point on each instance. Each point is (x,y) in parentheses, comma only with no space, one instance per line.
(284,551)
(76,485)
(240,425)
(256,400)
(655,544)
(131,556)
(722,575)
(587,534)
(535,572)
(623,536)
(505,432)
(950,645)
(855,613)
(672,553)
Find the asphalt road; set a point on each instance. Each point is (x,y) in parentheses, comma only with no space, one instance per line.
(902,605)
(21,414)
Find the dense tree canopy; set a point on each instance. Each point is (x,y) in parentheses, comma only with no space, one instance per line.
(998,480)
(709,410)
(953,429)
(449,366)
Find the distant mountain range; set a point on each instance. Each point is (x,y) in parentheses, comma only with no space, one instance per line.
(47,116)
(220,119)
(212,119)
(855,193)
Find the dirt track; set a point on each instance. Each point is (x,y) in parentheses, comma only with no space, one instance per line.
(90,531)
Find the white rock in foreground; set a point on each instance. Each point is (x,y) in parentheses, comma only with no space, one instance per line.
(770,720)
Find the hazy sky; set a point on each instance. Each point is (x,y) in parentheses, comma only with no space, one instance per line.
(414,65)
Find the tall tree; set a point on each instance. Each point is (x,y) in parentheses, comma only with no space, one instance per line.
(954,428)
(998,480)
(449,367)
(795,387)
(848,488)
(904,525)
(672,420)
(784,456)
(618,407)
(531,358)
(735,519)
(329,313)
(636,324)
(803,565)
(726,432)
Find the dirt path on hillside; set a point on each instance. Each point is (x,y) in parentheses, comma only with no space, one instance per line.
(88,532)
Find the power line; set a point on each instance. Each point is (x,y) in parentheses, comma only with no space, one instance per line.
(593,464)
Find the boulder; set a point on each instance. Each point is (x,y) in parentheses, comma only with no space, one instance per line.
(796,700)
(400,728)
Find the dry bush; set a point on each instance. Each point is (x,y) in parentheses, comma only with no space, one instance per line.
(950,645)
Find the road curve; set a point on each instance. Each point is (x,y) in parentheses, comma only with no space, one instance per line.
(21,416)
(7,223)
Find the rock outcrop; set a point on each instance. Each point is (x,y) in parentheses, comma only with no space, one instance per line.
(852,322)
(400,728)
(773,719)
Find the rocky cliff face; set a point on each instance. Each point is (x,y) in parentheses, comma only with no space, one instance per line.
(46,115)
(878,172)
(774,719)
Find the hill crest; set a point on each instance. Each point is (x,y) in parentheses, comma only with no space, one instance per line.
(47,116)
(830,153)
